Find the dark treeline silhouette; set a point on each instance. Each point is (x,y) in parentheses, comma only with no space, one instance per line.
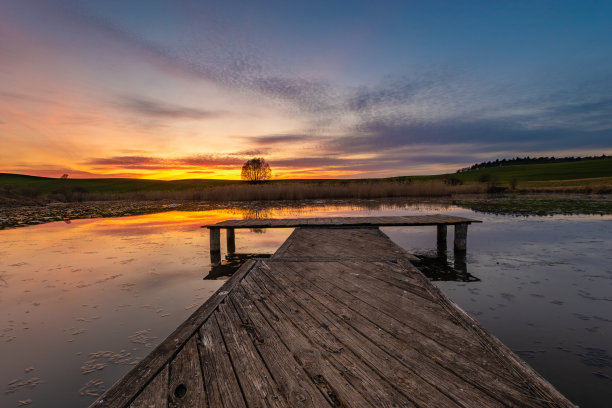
(530,160)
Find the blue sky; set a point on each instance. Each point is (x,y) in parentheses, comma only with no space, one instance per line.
(321,89)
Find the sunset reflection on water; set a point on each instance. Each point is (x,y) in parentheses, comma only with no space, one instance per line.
(91,297)
(83,301)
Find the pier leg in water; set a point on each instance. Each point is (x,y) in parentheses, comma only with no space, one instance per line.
(215,246)
(441,238)
(231,240)
(460,237)
(460,263)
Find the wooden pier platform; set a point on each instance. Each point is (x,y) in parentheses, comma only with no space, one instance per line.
(336,317)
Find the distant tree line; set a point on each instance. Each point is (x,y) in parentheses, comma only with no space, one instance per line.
(530,160)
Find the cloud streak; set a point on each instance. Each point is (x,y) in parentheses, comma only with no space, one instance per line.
(150,108)
(159,163)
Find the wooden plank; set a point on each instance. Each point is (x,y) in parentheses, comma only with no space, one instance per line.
(186,386)
(321,364)
(377,277)
(393,370)
(390,304)
(397,305)
(256,382)
(400,276)
(546,394)
(446,377)
(219,377)
(294,384)
(124,390)
(380,391)
(331,243)
(155,395)
(361,332)
(287,244)
(344,221)
(476,364)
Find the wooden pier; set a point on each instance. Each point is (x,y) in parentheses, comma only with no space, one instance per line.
(336,317)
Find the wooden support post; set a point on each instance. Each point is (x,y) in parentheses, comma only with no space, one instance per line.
(441,238)
(460,237)
(460,264)
(215,246)
(231,240)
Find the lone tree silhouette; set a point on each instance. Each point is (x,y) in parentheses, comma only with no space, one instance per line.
(256,170)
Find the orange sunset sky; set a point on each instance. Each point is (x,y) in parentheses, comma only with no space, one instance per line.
(172,90)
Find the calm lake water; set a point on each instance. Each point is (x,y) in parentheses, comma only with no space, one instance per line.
(83,301)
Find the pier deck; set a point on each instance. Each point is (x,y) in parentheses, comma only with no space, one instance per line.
(336,317)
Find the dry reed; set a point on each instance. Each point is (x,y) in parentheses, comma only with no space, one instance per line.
(298,191)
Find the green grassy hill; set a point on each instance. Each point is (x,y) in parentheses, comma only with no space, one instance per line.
(587,169)
(44,185)
(587,172)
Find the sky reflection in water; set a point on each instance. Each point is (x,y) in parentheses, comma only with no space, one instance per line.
(83,301)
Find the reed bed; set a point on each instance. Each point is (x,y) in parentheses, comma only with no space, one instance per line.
(586,189)
(296,191)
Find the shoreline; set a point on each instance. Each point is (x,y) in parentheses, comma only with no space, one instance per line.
(544,204)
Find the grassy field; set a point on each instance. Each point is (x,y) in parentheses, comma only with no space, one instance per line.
(588,176)
(46,185)
(580,170)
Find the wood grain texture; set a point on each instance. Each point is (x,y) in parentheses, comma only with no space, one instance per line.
(125,390)
(155,395)
(257,384)
(407,220)
(220,380)
(186,386)
(337,317)
(321,363)
(431,361)
(293,382)
(399,383)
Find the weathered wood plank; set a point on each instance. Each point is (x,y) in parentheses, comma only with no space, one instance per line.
(379,391)
(408,220)
(401,276)
(124,390)
(545,393)
(359,327)
(220,379)
(475,364)
(155,395)
(256,382)
(297,387)
(331,243)
(437,372)
(391,369)
(426,329)
(186,386)
(343,389)
(396,305)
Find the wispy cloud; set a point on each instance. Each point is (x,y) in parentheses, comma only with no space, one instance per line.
(283,139)
(159,163)
(156,109)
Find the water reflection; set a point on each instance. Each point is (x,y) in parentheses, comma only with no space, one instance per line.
(437,267)
(231,264)
(102,293)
